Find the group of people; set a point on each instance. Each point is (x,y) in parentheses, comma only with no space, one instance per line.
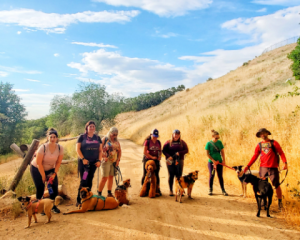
(94,152)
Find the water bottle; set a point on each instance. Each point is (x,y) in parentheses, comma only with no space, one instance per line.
(49,186)
(86,172)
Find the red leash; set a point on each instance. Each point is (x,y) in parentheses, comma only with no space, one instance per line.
(224,166)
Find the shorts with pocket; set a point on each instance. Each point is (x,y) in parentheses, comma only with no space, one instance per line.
(273,174)
(107,169)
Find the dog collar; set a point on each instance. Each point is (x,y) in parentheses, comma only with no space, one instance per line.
(87,199)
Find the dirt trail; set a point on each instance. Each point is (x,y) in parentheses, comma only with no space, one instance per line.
(205,217)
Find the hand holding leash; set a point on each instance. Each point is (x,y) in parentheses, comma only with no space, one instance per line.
(285,167)
(97,164)
(85,162)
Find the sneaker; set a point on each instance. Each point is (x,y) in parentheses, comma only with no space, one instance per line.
(159,192)
(110,195)
(77,204)
(210,192)
(224,193)
(55,209)
(171,194)
(43,213)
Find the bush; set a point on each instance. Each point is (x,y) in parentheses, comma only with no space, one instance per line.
(295,57)
(245,64)
(209,79)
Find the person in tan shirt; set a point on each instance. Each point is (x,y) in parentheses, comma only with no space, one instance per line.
(45,165)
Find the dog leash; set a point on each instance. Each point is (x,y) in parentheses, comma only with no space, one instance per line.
(119,174)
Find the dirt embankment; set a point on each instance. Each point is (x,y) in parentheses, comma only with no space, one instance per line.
(204,217)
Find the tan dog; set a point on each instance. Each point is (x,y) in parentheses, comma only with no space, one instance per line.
(90,202)
(150,179)
(186,181)
(121,193)
(36,207)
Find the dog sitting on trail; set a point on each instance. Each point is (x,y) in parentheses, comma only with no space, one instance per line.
(262,190)
(32,208)
(150,184)
(241,176)
(186,181)
(121,193)
(90,202)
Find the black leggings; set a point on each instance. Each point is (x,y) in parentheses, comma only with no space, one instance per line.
(211,176)
(89,180)
(175,171)
(157,163)
(40,186)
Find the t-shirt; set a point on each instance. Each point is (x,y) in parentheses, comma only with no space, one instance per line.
(267,156)
(110,150)
(90,147)
(154,149)
(176,146)
(49,158)
(213,152)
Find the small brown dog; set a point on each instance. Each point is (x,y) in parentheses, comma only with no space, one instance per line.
(186,181)
(121,193)
(90,202)
(150,184)
(36,207)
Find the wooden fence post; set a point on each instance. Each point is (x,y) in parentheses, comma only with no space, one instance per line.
(33,147)
(17,150)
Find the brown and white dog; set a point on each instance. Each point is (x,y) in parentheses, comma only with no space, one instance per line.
(89,202)
(121,193)
(150,184)
(32,208)
(186,181)
(241,176)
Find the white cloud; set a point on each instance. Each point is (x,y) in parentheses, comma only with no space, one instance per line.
(48,85)
(19,70)
(57,23)
(3,74)
(278,2)
(19,32)
(56,54)
(121,73)
(21,90)
(100,45)
(262,10)
(32,80)
(263,31)
(165,8)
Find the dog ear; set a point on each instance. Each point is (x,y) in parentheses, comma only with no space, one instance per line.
(191,173)
(197,171)
(88,189)
(235,167)
(28,198)
(20,199)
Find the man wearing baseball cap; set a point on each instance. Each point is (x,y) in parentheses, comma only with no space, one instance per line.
(269,151)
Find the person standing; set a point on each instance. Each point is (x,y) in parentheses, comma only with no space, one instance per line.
(111,159)
(89,151)
(216,160)
(45,165)
(152,151)
(175,150)
(269,151)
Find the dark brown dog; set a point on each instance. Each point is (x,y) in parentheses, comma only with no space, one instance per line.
(150,184)
(89,202)
(186,181)
(36,207)
(121,193)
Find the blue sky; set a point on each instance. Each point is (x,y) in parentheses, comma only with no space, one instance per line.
(132,46)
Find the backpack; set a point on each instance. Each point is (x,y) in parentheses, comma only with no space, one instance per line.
(273,149)
(34,155)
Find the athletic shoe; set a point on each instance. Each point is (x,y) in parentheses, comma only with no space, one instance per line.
(171,194)
(210,192)
(43,213)
(77,204)
(55,209)
(110,195)
(159,192)
(224,193)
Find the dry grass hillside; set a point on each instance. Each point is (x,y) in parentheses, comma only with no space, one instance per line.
(237,105)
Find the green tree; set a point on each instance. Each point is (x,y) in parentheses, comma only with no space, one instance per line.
(12,114)
(295,57)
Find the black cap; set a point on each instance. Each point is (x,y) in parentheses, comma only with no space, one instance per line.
(261,131)
(154,133)
(176,131)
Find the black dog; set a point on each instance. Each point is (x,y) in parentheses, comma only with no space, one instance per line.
(262,190)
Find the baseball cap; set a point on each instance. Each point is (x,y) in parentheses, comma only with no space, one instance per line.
(176,131)
(155,133)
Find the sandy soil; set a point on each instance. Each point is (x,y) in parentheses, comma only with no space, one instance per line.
(204,217)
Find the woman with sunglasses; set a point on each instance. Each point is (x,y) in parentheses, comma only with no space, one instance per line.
(45,165)
(175,150)
(111,158)
(89,151)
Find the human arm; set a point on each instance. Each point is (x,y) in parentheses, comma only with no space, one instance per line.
(210,157)
(146,152)
(98,163)
(281,154)
(58,162)
(223,156)
(166,150)
(39,162)
(253,159)
(185,149)
(119,155)
(79,153)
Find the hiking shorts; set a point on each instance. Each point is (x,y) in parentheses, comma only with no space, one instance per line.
(273,174)
(107,169)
